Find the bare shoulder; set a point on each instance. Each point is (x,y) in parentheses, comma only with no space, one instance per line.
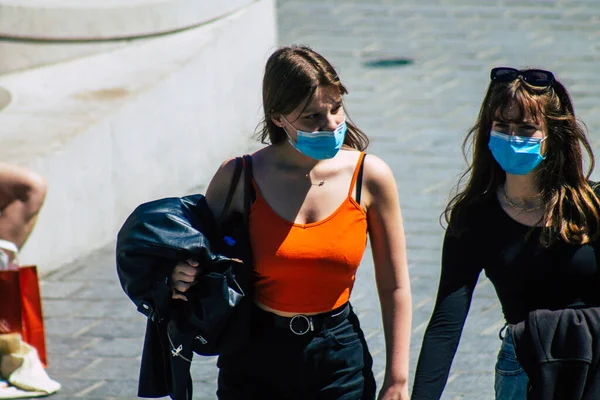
(218,188)
(223,175)
(378,176)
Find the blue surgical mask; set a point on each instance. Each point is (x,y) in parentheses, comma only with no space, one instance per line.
(517,155)
(320,145)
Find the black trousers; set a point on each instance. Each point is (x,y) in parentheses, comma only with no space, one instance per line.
(331,363)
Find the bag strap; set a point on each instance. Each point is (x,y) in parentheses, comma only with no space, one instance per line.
(232,186)
(247,188)
(241,164)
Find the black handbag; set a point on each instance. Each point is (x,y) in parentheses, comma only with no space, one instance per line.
(217,313)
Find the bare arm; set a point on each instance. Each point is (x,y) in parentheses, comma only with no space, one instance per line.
(461,266)
(388,245)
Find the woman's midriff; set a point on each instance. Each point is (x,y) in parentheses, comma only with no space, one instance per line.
(285,313)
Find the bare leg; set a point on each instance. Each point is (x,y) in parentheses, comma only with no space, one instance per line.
(22,194)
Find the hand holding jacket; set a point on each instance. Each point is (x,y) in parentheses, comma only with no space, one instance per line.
(183,277)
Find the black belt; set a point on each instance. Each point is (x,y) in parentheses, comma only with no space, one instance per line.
(301,324)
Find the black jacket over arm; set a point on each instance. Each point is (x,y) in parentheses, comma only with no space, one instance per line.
(560,352)
(152,240)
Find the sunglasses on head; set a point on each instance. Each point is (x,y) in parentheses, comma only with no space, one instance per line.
(534,77)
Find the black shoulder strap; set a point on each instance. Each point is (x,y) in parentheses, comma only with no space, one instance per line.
(248,189)
(234,182)
(359,179)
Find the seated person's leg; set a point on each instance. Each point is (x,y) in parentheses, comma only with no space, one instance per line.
(22,194)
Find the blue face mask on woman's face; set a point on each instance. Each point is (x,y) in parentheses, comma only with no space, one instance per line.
(517,155)
(319,145)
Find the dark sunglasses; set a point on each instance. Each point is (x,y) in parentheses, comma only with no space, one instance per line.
(534,77)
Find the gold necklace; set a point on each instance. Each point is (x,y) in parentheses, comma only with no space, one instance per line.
(515,206)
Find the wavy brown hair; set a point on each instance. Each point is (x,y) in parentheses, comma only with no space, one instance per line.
(572,210)
(292,75)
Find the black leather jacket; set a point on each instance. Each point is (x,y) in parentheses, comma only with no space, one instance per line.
(152,240)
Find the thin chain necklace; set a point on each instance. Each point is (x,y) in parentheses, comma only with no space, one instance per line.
(515,206)
(320,183)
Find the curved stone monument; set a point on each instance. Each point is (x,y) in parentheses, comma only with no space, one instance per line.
(106,19)
(41,32)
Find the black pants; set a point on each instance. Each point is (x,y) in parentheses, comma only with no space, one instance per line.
(331,364)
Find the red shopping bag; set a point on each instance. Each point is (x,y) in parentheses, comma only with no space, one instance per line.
(21,307)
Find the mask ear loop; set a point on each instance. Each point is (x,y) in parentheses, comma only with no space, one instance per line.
(294,145)
(286,132)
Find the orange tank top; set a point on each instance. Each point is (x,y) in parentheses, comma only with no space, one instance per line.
(307,268)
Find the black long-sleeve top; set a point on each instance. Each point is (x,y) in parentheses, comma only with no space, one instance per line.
(525,275)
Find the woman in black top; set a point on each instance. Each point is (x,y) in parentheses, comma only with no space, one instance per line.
(527,215)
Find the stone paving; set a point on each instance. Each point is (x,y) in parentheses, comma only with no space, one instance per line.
(416,108)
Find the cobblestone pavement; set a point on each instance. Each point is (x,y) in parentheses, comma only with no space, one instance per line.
(416,107)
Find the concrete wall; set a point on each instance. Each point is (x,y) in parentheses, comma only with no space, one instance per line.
(150,119)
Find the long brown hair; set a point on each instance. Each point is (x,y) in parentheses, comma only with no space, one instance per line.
(572,210)
(292,75)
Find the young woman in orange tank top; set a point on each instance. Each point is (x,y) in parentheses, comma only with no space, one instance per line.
(316,199)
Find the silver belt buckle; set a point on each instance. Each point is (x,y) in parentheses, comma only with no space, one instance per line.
(302,317)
